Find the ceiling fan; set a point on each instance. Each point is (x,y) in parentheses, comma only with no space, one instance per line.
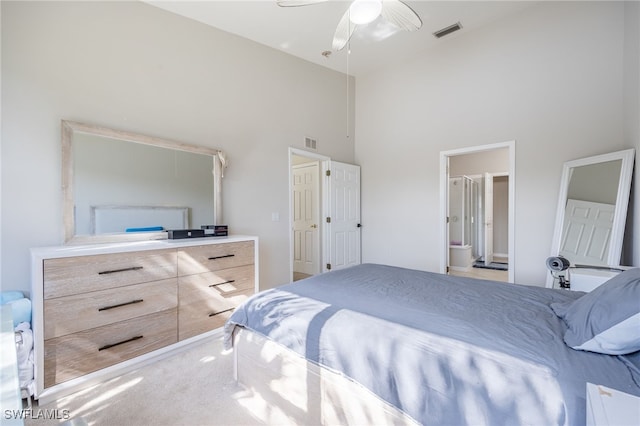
(363,12)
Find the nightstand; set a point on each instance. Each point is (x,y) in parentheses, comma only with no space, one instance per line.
(587,279)
(609,407)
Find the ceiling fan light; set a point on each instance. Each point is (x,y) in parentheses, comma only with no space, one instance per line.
(362,12)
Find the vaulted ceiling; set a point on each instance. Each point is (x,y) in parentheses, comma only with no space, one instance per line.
(307,32)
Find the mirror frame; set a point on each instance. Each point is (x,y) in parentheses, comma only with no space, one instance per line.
(70,128)
(622,203)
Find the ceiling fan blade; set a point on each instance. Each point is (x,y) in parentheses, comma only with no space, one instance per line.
(344,31)
(401,15)
(296,3)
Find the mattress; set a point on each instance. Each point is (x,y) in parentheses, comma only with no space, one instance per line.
(443,349)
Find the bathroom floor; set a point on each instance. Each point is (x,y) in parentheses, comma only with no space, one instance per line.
(485,274)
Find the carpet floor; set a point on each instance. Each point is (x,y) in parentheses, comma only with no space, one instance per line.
(193,387)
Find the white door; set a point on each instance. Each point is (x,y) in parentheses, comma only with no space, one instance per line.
(586,232)
(306,199)
(488,218)
(343,222)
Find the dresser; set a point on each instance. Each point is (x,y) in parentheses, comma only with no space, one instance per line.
(100,310)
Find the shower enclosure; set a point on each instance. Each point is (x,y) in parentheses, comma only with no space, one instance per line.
(463,222)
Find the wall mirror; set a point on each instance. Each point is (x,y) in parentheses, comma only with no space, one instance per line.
(592,209)
(122,186)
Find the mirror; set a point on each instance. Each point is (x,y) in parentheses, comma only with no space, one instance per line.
(122,186)
(592,209)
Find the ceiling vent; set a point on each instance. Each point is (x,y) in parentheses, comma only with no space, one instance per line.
(448,30)
(310,143)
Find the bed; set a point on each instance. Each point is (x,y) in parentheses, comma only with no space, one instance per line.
(378,344)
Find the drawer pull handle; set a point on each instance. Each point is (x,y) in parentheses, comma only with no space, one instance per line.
(221,312)
(120,304)
(226,282)
(221,257)
(120,343)
(113,271)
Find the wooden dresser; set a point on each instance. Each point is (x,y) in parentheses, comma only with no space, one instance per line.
(99,310)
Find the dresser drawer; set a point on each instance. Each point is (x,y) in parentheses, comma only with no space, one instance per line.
(225,282)
(70,314)
(207,300)
(213,257)
(82,274)
(202,316)
(74,355)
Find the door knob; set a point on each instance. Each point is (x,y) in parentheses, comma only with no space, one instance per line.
(314,226)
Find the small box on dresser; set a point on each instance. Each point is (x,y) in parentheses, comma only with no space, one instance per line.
(99,310)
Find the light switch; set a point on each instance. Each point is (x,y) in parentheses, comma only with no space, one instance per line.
(275,217)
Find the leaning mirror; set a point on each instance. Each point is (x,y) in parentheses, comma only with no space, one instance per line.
(122,186)
(592,210)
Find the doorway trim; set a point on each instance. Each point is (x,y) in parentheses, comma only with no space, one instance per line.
(314,157)
(444,199)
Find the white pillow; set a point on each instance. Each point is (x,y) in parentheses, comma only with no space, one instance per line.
(606,320)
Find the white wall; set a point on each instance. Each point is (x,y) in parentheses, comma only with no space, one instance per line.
(631,251)
(490,161)
(131,66)
(551,78)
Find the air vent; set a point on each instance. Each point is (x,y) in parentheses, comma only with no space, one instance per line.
(448,30)
(310,143)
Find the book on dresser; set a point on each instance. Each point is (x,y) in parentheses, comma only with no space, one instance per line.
(100,310)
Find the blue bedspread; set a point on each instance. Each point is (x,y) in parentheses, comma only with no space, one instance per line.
(445,350)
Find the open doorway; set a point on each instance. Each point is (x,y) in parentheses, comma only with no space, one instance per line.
(305,212)
(324,214)
(477,199)
(306,218)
